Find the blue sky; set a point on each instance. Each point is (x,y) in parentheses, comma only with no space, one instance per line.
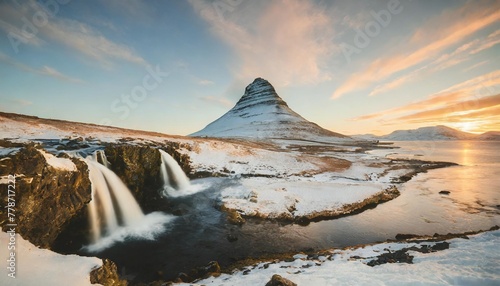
(174,66)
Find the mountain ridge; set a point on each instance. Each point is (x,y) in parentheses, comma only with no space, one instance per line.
(431,133)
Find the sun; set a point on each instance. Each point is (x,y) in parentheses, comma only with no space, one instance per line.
(468,126)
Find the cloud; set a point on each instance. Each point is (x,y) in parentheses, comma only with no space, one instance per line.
(82,38)
(459,55)
(205,82)
(286,42)
(76,35)
(477,87)
(483,114)
(22,102)
(455,25)
(45,70)
(459,107)
(218,100)
(476,65)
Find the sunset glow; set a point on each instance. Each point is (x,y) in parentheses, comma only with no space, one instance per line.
(350,66)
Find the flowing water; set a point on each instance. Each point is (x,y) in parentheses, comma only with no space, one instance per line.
(112,203)
(201,234)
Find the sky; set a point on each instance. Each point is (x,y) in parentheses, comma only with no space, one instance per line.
(354,67)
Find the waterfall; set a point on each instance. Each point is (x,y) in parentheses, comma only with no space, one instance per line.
(174,179)
(112,203)
(100,156)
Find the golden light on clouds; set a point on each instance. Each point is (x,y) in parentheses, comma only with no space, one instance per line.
(470,106)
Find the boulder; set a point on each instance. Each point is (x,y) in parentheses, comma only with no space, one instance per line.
(107,274)
(277,280)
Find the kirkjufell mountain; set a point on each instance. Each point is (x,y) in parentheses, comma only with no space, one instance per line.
(261,113)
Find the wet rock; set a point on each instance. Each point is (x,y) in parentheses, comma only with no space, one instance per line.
(107,275)
(231,237)
(139,168)
(46,198)
(8,144)
(444,192)
(72,144)
(399,256)
(212,269)
(404,236)
(183,277)
(234,217)
(278,280)
(441,246)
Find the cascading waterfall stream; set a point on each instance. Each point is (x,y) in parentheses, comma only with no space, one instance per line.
(100,157)
(175,180)
(112,203)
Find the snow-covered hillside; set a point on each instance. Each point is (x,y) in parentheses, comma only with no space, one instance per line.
(431,133)
(261,113)
(491,135)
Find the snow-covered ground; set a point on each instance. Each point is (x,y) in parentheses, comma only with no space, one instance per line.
(473,261)
(276,179)
(35,266)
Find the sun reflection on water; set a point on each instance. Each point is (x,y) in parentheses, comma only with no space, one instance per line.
(465,154)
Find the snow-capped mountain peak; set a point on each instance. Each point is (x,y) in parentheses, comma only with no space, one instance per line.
(261,113)
(260,91)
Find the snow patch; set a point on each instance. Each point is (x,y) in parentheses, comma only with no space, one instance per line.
(37,266)
(63,164)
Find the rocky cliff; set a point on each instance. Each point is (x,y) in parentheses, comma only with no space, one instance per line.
(47,196)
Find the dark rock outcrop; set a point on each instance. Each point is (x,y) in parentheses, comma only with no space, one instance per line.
(139,168)
(46,198)
(277,280)
(107,275)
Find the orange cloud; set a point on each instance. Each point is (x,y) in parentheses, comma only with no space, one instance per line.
(480,86)
(286,41)
(463,106)
(455,25)
(488,113)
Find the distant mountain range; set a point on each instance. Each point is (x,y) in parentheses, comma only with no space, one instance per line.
(262,114)
(431,133)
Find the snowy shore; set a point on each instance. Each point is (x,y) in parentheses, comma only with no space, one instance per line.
(472,261)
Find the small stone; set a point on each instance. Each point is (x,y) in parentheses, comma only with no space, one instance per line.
(277,280)
(234,217)
(231,237)
(444,192)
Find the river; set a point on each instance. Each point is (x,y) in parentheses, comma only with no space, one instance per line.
(201,234)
